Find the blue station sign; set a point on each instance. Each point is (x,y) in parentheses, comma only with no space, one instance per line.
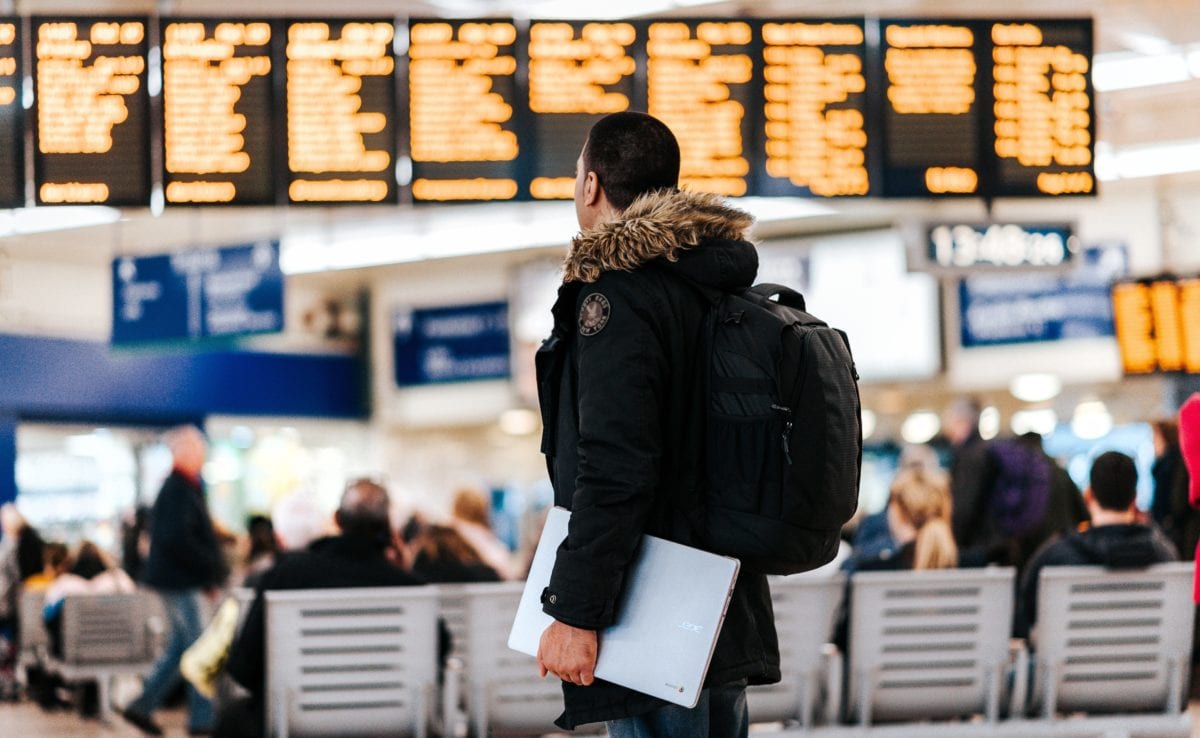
(451,344)
(197,294)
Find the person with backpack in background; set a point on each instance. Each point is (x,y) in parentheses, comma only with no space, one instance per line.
(628,417)
(1169,507)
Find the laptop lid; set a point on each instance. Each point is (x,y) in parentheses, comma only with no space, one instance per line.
(667,621)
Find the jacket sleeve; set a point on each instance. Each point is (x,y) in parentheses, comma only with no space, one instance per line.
(622,370)
(187,536)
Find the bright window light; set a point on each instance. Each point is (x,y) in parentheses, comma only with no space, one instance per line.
(1035,387)
(1126,71)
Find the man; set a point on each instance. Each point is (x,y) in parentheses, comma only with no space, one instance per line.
(1115,539)
(356,557)
(184,562)
(969,477)
(623,406)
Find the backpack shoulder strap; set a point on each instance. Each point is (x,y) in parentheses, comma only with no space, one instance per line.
(787,296)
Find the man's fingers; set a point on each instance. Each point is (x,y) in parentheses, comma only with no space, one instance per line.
(586,678)
(542,669)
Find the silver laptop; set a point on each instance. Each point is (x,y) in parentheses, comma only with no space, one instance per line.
(667,621)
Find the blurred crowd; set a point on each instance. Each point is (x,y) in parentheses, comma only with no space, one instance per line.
(970,503)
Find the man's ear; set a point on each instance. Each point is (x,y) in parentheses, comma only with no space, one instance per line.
(591,189)
(1089,499)
(337,519)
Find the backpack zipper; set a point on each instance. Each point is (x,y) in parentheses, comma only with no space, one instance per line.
(786,437)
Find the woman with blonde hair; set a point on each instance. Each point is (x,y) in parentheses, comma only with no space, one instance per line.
(919,518)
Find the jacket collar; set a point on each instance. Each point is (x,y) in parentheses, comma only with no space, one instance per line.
(657,225)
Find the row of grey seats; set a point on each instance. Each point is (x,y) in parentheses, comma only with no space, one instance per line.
(923,646)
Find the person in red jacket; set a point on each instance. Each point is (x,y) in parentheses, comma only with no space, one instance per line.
(1189,446)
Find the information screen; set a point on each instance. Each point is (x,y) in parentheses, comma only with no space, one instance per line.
(930,90)
(814,109)
(462,79)
(341,101)
(1158,325)
(12,130)
(218,121)
(1044,120)
(699,81)
(92,124)
(578,73)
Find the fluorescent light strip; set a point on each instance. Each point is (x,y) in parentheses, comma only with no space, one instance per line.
(1148,161)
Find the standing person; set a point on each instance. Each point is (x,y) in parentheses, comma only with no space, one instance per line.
(1169,507)
(623,407)
(969,475)
(184,565)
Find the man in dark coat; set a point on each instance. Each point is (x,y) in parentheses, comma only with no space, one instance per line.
(1115,539)
(184,563)
(623,411)
(354,558)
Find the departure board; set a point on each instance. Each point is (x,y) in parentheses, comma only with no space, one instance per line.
(930,90)
(1044,117)
(1158,325)
(218,125)
(699,78)
(341,101)
(578,73)
(814,109)
(12,130)
(462,78)
(92,128)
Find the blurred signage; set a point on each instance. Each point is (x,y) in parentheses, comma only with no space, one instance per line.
(12,116)
(204,293)
(997,309)
(1004,245)
(451,344)
(92,111)
(1158,325)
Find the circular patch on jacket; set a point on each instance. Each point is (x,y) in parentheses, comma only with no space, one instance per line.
(593,316)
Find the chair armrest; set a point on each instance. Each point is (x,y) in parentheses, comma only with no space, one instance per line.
(1018,664)
(833,664)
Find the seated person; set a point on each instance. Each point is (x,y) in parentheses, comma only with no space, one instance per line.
(444,556)
(918,517)
(93,572)
(1115,538)
(56,559)
(873,539)
(357,557)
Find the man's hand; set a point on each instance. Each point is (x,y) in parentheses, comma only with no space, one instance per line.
(568,653)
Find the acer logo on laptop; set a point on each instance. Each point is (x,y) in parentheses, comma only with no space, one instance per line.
(690,627)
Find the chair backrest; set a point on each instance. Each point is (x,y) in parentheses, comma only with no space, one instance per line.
(1113,640)
(505,692)
(805,608)
(452,603)
(350,661)
(928,644)
(33,628)
(106,629)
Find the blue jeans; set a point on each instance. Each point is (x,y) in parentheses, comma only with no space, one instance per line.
(720,713)
(184,625)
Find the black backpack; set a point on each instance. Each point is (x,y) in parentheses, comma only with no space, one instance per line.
(784,434)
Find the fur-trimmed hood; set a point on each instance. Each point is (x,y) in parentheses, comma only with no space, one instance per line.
(669,225)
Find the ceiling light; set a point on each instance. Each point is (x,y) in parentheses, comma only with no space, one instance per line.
(1043,422)
(989,422)
(1035,387)
(1091,420)
(58,218)
(921,427)
(869,422)
(1126,71)
(1150,161)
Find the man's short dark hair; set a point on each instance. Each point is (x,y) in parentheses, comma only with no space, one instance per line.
(631,154)
(364,511)
(1114,481)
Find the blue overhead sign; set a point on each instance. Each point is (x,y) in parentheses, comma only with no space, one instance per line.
(202,293)
(997,309)
(451,344)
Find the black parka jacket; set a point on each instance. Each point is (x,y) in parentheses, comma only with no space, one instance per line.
(623,412)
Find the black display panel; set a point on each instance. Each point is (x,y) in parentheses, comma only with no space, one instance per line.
(463,96)
(700,81)
(12,128)
(91,111)
(814,109)
(341,111)
(218,116)
(579,71)
(930,91)
(1043,113)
